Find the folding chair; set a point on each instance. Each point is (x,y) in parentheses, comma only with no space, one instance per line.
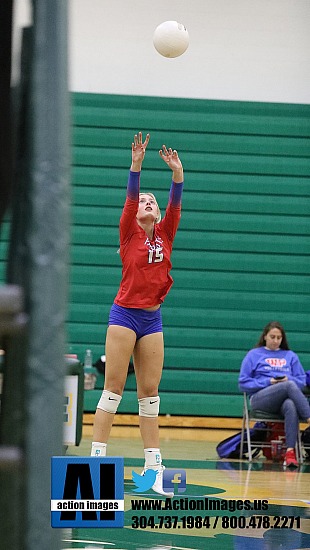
(261,416)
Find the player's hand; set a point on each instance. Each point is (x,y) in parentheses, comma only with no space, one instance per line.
(171,158)
(138,148)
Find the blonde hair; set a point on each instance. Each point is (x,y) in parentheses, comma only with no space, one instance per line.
(157,220)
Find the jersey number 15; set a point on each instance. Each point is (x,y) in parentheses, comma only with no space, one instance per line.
(155,255)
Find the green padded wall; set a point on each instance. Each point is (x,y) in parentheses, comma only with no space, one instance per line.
(241,255)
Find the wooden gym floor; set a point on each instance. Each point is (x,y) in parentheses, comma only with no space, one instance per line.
(193,448)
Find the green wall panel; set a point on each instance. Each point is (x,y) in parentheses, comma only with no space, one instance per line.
(241,255)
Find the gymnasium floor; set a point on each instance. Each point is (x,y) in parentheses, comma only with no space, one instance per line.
(287,492)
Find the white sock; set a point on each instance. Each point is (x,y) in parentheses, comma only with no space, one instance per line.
(152,458)
(98,449)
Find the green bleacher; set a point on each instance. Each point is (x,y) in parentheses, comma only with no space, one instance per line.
(241,255)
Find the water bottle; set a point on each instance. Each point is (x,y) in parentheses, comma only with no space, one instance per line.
(88,358)
(89,371)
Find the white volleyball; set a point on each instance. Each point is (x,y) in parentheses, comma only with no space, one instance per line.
(171,39)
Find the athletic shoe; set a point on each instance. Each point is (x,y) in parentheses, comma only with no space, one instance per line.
(290,459)
(158,485)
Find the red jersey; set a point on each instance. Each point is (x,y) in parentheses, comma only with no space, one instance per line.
(146,278)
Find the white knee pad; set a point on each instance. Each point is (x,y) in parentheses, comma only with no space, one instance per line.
(109,401)
(149,406)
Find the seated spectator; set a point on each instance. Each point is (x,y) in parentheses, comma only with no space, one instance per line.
(273,377)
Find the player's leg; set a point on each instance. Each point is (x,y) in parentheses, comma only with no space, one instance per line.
(300,400)
(270,399)
(291,421)
(148,360)
(119,346)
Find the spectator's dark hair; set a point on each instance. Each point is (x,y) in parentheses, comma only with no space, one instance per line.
(267,328)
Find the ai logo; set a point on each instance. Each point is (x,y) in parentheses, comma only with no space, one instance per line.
(87,492)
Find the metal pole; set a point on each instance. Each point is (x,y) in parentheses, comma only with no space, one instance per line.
(48,273)
(39,261)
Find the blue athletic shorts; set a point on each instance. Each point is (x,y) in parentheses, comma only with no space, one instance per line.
(141,321)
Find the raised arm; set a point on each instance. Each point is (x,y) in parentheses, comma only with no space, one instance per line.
(138,148)
(128,217)
(172,216)
(171,158)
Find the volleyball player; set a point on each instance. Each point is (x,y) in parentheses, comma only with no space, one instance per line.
(135,324)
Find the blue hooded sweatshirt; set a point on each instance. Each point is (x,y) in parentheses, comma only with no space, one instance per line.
(261,364)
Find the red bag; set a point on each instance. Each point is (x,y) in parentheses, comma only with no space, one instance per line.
(276,432)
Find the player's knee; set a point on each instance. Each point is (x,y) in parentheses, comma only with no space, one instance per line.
(290,384)
(109,401)
(149,406)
